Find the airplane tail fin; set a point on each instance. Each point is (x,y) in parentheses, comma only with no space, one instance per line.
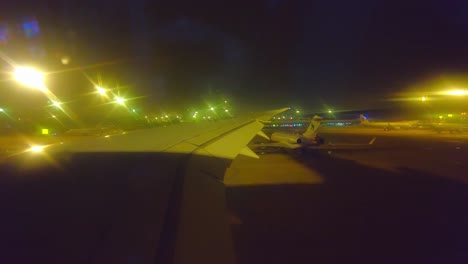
(313,127)
(363,119)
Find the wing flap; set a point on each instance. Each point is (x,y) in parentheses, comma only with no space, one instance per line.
(246,151)
(230,145)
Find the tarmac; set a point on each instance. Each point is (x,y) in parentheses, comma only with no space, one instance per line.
(402,201)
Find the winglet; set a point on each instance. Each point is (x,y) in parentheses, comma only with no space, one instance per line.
(246,151)
(372,141)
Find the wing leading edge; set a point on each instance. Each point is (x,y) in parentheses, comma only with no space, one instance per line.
(204,235)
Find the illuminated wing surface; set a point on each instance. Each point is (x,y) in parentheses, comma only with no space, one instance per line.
(149,195)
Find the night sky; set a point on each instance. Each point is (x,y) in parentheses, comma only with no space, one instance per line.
(314,54)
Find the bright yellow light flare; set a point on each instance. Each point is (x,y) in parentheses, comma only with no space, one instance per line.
(212,108)
(2,110)
(450,115)
(227,110)
(30,77)
(298,112)
(120,100)
(56,104)
(424,99)
(457,92)
(101,90)
(330,111)
(36,148)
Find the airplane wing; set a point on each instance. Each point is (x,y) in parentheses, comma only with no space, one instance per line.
(172,197)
